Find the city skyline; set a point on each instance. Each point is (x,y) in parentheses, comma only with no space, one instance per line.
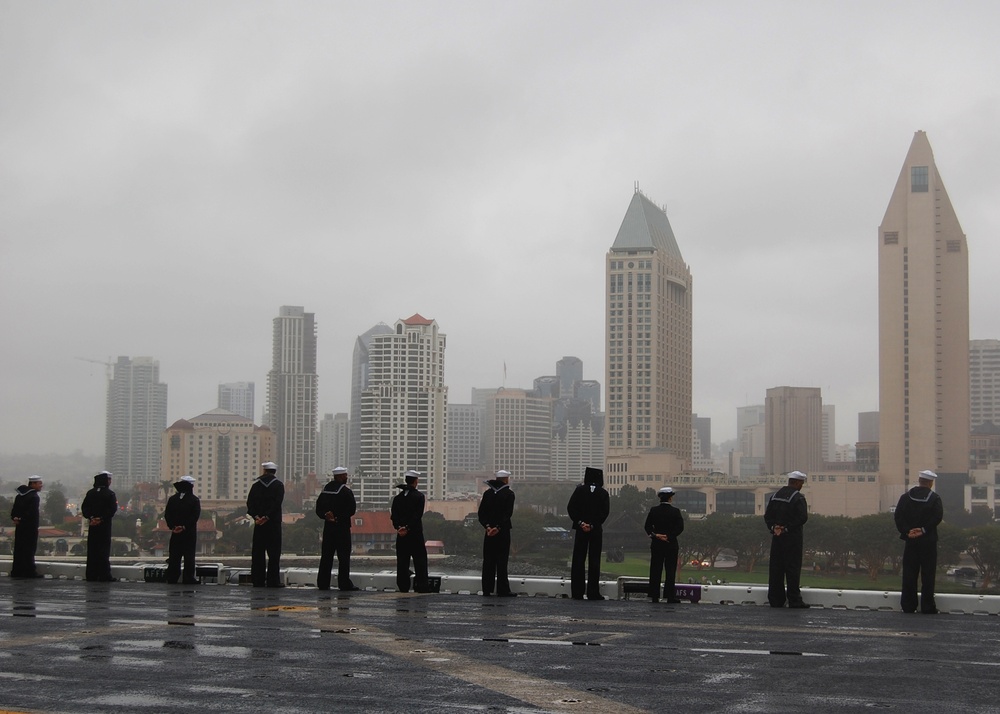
(468,164)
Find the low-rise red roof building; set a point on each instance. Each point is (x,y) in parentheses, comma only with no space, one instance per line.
(372,532)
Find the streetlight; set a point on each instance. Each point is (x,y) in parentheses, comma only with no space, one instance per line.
(138,532)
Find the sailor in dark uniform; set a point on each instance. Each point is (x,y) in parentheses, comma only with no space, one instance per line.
(663,524)
(25,517)
(407,512)
(99,507)
(264,505)
(785,515)
(917,515)
(495,510)
(336,505)
(181,514)
(588,508)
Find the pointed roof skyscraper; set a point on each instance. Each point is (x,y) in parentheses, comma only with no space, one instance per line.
(923,329)
(648,352)
(646,226)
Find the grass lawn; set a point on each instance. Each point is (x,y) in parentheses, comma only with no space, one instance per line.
(637,565)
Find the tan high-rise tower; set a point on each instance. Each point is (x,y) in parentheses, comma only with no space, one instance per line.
(648,366)
(923,269)
(794,433)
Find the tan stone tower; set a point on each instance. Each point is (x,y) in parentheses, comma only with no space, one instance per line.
(923,269)
(648,366)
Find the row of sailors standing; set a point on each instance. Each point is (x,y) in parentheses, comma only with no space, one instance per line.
(336,506)
(917,515)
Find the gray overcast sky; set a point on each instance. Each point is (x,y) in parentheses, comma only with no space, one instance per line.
(173,172)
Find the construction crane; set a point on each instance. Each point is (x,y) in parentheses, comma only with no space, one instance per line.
(108,365)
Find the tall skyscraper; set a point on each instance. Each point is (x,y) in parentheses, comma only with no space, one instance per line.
(572,385)
(569,370)
(359,381)
(519,433)
(794,429)
(648,351)
(292,386)
(237,397)
(923,269)
(334,438)
(465,438)
(984,382)
(136,417)
(403,412)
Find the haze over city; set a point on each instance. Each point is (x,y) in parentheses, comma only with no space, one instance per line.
(173,173)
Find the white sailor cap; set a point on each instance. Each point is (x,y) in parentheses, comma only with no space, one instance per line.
(797,475)
(188,478)
(503,474)
(411,474)
(34,479)
(929,475)
(666,490)
(105,473)
(338,471)
(269,466)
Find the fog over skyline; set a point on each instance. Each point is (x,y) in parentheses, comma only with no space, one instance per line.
(171,173)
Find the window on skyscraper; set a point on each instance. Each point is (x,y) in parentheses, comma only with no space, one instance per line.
(918,179)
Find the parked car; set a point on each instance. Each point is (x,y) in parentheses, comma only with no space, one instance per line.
(963,572)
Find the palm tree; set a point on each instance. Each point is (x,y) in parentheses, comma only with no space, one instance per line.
(166,487)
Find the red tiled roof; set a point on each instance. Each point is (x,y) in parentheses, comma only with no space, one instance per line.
(417,319)
(372,523)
